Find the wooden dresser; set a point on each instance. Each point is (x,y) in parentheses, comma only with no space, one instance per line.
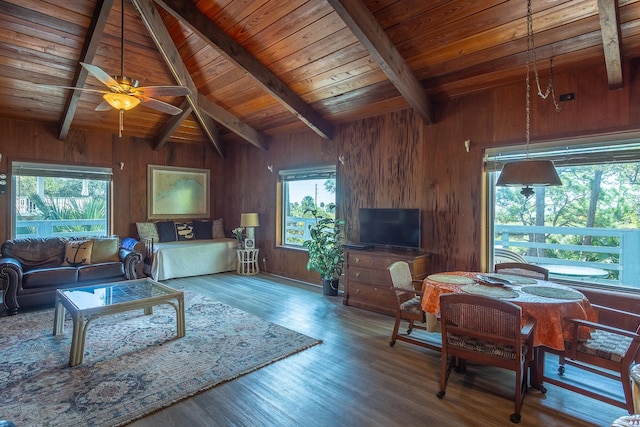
(367,282)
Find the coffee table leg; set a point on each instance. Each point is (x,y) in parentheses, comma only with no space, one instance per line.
(180,317)
(77,340)
(58,317)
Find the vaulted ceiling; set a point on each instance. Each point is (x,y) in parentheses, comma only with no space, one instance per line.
(259,68)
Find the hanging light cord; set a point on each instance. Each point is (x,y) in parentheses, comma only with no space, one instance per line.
(531,59)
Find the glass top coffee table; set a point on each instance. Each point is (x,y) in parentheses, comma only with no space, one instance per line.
(89,302)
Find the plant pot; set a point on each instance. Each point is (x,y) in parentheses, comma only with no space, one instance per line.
(330,287)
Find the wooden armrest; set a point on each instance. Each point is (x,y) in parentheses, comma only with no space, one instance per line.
(615,311)
(411,291)
(600,326)
(528,327)
(148,245)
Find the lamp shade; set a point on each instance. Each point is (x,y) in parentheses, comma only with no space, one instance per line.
(249,220)
(529,172)
(121,101)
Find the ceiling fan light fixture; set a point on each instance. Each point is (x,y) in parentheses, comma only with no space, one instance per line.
(121,101)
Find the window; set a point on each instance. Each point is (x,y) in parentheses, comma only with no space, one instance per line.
(585,231)
(60,200)
(300,190)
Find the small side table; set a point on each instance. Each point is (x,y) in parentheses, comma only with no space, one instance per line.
(248,262)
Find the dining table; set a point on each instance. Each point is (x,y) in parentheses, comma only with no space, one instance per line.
(549,303)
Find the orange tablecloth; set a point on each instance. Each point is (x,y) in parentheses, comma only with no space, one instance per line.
(551,329)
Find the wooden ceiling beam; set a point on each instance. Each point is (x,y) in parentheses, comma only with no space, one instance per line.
(367,30)
(610,28)
(171,125)
(94,34)
(155,26)
(187,13)
(230,121)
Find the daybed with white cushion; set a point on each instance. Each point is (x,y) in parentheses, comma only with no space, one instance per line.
(185,249)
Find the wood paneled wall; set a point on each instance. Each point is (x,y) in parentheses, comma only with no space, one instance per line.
(27,141)
(395,160)
(391,160)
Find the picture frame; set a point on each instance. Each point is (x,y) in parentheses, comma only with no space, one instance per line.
(177,193)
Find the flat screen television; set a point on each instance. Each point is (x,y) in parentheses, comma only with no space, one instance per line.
(395,228)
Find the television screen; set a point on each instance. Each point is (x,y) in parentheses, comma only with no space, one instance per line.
(390,227)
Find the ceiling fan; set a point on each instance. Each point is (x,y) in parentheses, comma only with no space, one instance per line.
(124,93)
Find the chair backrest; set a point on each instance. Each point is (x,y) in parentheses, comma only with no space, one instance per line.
(479,317)
(400,274)
(501,255)
(523,269)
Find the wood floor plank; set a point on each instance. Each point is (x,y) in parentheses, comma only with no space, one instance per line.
(354,378)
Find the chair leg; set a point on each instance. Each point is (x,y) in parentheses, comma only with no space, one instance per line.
(394,334)
(446,365)
(410,327)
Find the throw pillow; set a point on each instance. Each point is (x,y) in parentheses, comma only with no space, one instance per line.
(218,229)
(166,231)
(77,252)
(203,230)
(184,231)
(147,230)
(104,250)
(133,245)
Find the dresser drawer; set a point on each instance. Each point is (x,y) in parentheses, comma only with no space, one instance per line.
(366,261)
(368,276)
(376,298)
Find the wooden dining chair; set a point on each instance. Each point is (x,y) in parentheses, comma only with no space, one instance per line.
(408,306)
(501,255)
(610,351)
(487,331)
(522,269)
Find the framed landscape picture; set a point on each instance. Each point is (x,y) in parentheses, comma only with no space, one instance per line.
(177,193)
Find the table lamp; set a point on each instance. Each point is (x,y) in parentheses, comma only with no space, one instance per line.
(249,221)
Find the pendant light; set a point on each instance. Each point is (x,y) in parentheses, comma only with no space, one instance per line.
(528,173)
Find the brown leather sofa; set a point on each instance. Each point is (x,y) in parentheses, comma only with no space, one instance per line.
(33,268)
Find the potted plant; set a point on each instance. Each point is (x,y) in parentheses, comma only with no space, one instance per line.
(326,254)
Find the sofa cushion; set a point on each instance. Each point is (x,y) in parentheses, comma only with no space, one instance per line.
(203,230)
(106,270)
(166,231)
(105,249)
(49,277)
(78,252)
(147,230)
(218,229)
(184,231)
(35,252)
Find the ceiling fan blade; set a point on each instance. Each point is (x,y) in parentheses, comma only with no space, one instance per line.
(103,106)
(72,88)
(162,91)
(101,75)
(161,106)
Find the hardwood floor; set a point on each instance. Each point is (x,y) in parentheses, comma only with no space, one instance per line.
(354,378)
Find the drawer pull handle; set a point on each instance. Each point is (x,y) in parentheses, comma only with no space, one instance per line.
(357,274)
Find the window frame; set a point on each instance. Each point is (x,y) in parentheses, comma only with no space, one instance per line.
(621,147)
(56,170)
(326,171)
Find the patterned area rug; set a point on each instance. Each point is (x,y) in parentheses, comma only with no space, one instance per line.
(133,364)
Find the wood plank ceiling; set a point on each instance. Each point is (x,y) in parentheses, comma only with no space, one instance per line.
(259,68)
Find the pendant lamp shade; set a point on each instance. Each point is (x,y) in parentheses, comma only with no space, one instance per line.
(528,173)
